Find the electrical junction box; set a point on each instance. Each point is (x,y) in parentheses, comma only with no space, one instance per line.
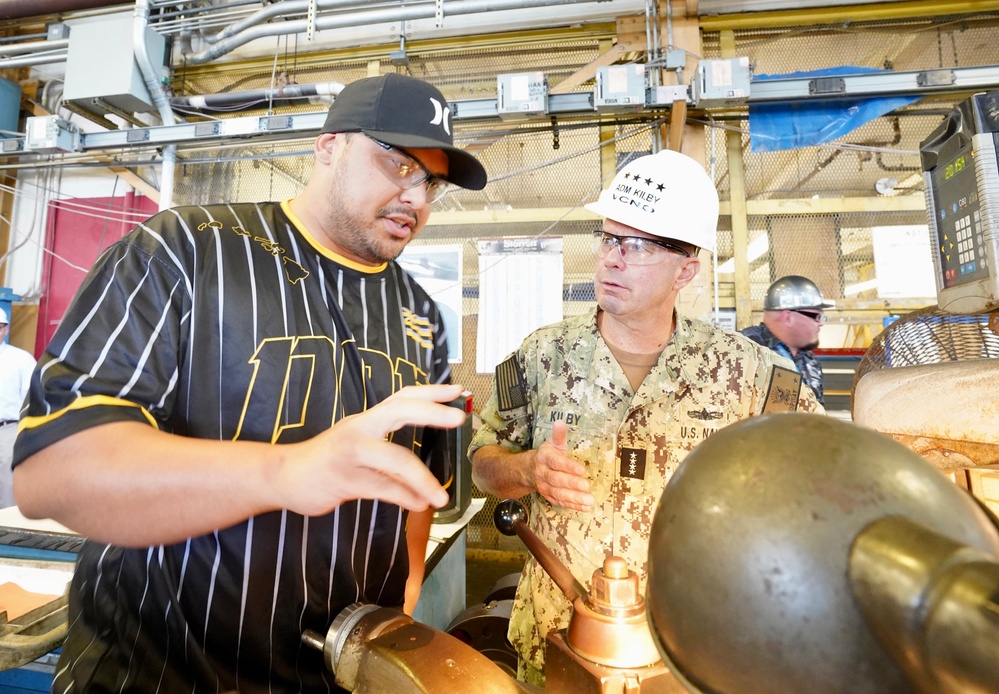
(522,94)
(56,32)
(48,134)
(723,82)
(666,94)
(101,67)
(620,88)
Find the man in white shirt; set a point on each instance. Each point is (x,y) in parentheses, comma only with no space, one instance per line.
(15,375)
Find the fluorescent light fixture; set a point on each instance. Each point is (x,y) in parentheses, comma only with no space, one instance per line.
(756,249)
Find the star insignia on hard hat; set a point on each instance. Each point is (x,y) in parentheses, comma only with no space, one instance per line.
(648,181)
(660,187)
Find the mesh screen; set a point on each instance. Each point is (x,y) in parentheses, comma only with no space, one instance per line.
(932,336)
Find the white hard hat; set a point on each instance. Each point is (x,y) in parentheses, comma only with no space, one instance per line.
(3,317)
(666,194)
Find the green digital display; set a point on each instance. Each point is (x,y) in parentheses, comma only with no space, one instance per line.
(954,167)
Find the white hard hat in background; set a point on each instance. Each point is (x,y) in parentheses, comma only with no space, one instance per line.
(3,316)
(666,194)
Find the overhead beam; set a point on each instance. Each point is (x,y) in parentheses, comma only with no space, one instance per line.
(630,39)
(956,80)
(793,206)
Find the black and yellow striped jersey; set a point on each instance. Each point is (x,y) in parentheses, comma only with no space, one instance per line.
(230,322)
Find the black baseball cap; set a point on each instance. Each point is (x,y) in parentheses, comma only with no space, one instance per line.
(404,112)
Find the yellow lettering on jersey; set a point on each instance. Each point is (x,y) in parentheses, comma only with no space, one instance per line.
(418,328)
(286,365)
(307,360)
(378,368)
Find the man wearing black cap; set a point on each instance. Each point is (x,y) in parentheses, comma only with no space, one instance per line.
(202,339)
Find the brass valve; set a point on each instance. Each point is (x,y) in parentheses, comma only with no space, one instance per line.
(608,624)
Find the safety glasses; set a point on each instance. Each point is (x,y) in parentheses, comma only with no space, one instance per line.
(636,250)
(406,172)
(816,316)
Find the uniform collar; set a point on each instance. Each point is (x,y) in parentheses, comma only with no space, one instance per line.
(683,362)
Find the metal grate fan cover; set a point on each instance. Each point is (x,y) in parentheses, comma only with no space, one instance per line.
(932,336)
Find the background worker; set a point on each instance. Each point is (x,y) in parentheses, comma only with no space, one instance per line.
(203,338)
(591,416)
(792,317)
(15,375)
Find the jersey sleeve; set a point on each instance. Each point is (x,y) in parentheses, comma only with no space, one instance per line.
(115,356)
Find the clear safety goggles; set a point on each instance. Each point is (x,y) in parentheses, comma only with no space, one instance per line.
(406,172)
(635,250)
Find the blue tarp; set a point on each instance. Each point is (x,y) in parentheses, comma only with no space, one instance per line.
(789,125)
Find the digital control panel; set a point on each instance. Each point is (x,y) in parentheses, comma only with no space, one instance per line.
(961,175)
(960,243)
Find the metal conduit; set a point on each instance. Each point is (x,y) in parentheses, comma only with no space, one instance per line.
(401,14)
(253,95)
(158,94)
(281,9)
(29,60)
(36,46)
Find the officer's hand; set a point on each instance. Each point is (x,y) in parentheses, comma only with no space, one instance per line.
(559,478)
(354,459)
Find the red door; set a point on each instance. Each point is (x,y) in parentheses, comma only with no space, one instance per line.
(78,230)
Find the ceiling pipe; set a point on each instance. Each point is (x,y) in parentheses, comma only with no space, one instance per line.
(361,18)
(229,99)
(34,59)
(35,46)
(281,9)
(154,85)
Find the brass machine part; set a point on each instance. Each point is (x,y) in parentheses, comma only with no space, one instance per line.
(776,607)
(373,650)
(608,625)
(567,673)
(931,602)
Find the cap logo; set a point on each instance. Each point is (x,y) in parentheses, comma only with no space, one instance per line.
(442,115)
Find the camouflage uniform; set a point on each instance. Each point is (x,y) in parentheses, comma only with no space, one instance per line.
(804,361)
(631,443)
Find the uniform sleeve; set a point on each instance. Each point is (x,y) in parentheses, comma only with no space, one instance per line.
(116,354)
(508,416)
(768,359)
(807,402)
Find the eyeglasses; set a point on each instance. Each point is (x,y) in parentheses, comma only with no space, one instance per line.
(635,250)
(406,172)
(816,316)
